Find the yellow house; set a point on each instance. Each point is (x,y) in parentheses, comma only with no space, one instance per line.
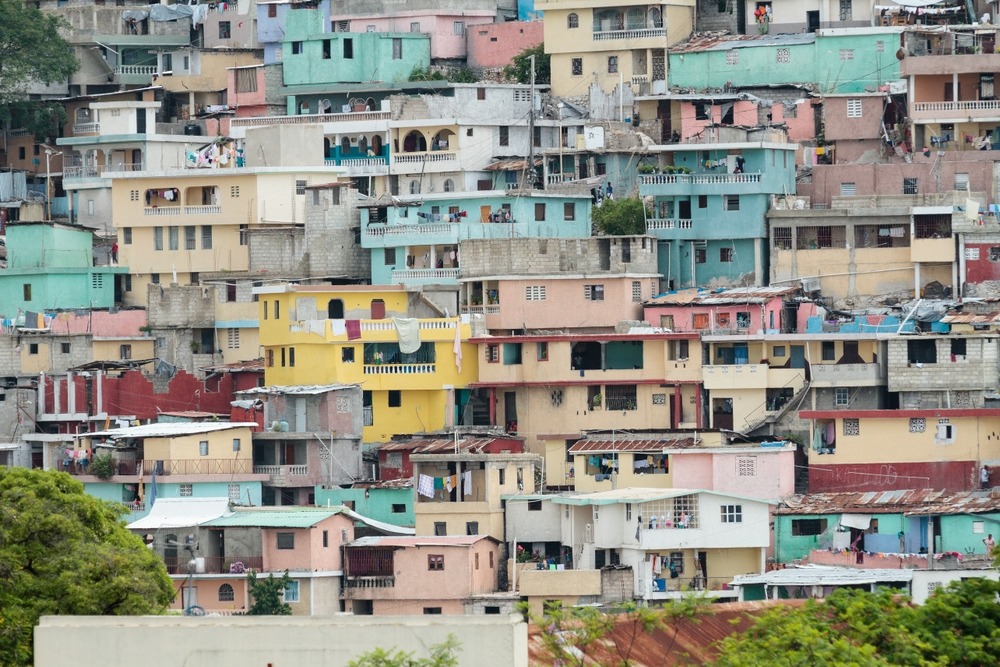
(612,43)
(174,225)
(356,334)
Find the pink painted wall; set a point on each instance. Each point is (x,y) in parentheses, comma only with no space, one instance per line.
(496,44)
(101,324)
(684,315)
(309,553)
(716,471)
(887,179)
(744,113)
(838,126)
(458,579)
(565,306)
(329,557)
(440,26)
(802,126)
(246,103)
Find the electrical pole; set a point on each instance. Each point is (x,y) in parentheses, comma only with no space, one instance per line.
(531,130)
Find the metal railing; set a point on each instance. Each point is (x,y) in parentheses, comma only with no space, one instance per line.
(216,564)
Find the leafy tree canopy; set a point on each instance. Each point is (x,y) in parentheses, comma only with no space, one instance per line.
(65,552)
(442,655)
(519,68)
(620,217)
(31,49)
(959,625)
(266,593)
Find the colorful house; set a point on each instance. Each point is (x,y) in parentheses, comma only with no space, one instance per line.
(394,457)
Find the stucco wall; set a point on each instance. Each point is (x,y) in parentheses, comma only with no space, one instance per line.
(496,44)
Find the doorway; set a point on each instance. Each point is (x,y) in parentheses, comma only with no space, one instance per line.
(812,21)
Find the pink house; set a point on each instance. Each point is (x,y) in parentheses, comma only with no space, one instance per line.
(418,575)
(496,44)
(446,30)
(737,310)
(741,110)
(394,457)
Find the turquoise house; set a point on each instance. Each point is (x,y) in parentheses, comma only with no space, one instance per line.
(248,493)
(385,503)
(311,54)
(709,210)
(416,241)
(889,522)
(849,61)
(50,266)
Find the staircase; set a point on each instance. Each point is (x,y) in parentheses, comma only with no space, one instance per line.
(760,417)
(413,108)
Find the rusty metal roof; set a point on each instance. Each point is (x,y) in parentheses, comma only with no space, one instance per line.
(737,295)
(719,41)
(911,501)
(971,318)
(608,445)
(443,445)
(687,641)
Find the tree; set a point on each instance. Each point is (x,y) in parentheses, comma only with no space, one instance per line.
(519,68)
(31,49)
(620,217)
(267,595)
(442,655)
(65,552)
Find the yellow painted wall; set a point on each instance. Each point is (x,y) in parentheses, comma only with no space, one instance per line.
(186,447)
(110,350)
(890,441)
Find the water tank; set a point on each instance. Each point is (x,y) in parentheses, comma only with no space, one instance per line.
(192,129)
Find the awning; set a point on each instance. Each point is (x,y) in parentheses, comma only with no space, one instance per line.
(859,521)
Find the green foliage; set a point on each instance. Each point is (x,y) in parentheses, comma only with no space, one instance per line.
(959,625)
(425,74)
(620,217)
(519,69)
(266,594)
(464,75)
(42,119)
(442,655)
(102,466)
(461,75)
(31,49)
(65,552)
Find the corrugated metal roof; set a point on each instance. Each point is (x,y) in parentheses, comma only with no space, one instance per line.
(167,430)
(827,575)
(419,541)
(602,446)
(911,501)
(238,366)
(639,495)
(439,445)
(736,295)
(724,41)
(970,318)
(295,390)
(298,517)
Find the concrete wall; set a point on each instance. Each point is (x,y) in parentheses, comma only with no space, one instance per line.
(496,44)
(545,257)
(238,641)
(331,236)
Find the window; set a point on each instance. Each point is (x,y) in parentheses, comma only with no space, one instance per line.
(700,255)
(291,357)
(576,66)
(944,434)
(224,30)
(961,181)
(636,291)
(910,186)
(173,237)
(155,279)
(542,351)
(539,211)
(395,398)
(732,514)
(845,10)
(126,236)
(234,493)
(471,527)
(842,396)
(296,48)
(612,64)
(512,354)
(292,592)
(746,466)
(572,21)
(432,611)
(397,48)
(477,560)
(569,211)
(783,238)
(725,254)
(26,291)
(829,351)
(921,351)
(492,353)
(730,202)
(206,237)
(189,237)
(504,135)
(348,48)
(347,355)
(435,562)
(186,490)
(593,292)
(300,187)
(285,541)
(620,397)
(203,448)
(246,80)
(233,339)
(277,309)
(124,351)
(226,593)
(918,424)
(64,347)
(732,57)
(399,508)
(804,527)
(272,11)
(327,49)
(847,54)
(854,108)
(389,257)
(534,505)
(534,293)
(848,189)
(157,238)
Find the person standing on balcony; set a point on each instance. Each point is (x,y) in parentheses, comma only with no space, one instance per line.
(114,252)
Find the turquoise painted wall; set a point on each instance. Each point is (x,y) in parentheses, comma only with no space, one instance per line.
(378,505)
(872,63)
(312,56)
(958,532)
(250,492)
(41,245)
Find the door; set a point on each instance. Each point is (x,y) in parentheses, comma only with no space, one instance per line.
(510,411)
(722,413)
(812,21)
(851,355)
(484,213)
(684,209)
(798,356)
(140,121)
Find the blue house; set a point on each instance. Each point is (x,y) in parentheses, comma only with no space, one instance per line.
(709,206)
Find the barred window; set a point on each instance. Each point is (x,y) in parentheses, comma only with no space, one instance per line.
(620,397)
(636,291)
(783,238)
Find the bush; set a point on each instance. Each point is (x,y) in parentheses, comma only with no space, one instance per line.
(103,466)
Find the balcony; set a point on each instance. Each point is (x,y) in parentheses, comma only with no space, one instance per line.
(237,565)
(414,276)
(162,210)
(698,179)
(399,369)
(633,23)
(261,121)
(86,128)
(932,250)
(669,223)
(383,581)
(281,472)
(139,70)
(750,376)
(182,210)
(637,33)
(962,111)
(364,166)
(421,158)
(382,230)
(198,467)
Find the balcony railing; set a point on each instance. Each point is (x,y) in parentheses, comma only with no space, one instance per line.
(969,105)
(424,274)
(637,33)
(379,230)
(386,581)
(202,210)
(122,167)
(86,128)
(418,158)
(282,471)
(258,121)
(148,70)
(669,223)
(698,179)
(399,369)
(493,309)
(237,565)
(162,210)
(198,467)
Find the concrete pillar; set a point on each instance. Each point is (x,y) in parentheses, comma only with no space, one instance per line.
(916,280)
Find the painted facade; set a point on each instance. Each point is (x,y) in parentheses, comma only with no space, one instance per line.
(496,44)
